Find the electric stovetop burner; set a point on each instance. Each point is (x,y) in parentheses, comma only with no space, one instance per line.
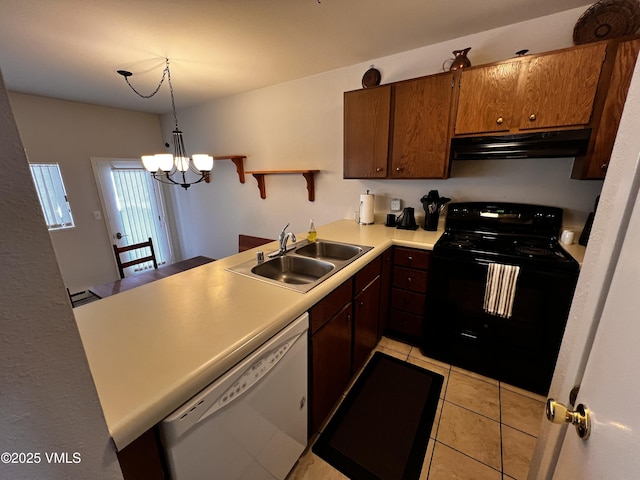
(461,241)
(533,251)
(510,233)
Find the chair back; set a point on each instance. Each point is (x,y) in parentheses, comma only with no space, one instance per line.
(149,258)
(247,242)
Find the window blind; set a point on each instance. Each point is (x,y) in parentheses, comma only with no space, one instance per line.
(52,195)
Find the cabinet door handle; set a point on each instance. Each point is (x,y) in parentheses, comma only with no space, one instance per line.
(409,279)
(378,169)
(361,303)
(398,169)
(603,167)
(409,259)
(532,117)
(499,120)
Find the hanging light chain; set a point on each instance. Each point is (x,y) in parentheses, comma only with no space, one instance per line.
(173,103)
(127,74)
(166,73)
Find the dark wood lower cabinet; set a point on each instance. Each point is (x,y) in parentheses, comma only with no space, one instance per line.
(385,288)
(344,330)
(366,307)
(142,459)
(330,365)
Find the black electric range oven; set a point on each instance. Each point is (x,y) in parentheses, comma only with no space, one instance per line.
(499,292)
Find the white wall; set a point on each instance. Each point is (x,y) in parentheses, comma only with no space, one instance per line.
(48,402)
(299,125)
(70,133)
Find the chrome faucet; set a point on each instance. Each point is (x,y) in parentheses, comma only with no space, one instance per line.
(282,241)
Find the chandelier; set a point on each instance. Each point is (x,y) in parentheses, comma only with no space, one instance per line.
(173,168)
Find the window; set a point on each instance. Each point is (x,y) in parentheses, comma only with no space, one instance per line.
(52,195)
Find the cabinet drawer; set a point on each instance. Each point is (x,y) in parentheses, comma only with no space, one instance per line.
(406,323)
(411,257)
(407,301)
(410,279)
(326,308)
(365,276)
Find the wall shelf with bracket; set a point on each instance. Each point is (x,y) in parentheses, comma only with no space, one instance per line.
(309,176)
(238,160)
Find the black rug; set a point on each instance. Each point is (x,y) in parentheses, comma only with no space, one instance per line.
(381,429)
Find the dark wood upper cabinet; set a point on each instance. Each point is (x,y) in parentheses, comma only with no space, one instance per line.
(552,90)
(399,130)
(487,97)
(606,121)
(421,119)
(404,129)
(367,115)
(560,88)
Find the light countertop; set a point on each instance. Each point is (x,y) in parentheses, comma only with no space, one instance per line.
(152,348)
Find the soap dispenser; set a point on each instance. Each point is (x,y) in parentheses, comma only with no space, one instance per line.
(312,236)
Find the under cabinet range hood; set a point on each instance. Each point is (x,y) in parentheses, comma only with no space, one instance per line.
(562,143)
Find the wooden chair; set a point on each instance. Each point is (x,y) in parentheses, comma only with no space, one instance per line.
(150,258)
(82,298)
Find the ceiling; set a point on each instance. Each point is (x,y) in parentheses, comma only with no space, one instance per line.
(71,49)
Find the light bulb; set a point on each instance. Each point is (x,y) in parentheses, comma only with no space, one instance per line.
(203,162)
(150,163)
(165,161)
(182,163)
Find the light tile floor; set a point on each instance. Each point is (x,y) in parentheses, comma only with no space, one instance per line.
(484,429)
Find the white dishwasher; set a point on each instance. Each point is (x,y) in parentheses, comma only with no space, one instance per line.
(251,423)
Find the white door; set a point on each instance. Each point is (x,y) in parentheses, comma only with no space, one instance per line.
(134,207)
(610,386)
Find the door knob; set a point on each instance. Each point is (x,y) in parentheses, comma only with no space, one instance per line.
(580,417)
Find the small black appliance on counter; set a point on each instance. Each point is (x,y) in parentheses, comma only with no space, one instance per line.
(407,219)
(433,204)
(499,291)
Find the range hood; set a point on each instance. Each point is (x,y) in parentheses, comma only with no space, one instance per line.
(563,143)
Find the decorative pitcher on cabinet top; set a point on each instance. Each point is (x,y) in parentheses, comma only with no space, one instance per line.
(459,60)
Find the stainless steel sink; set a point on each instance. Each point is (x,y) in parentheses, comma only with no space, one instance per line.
(329,250)
(305,264)
(293,269)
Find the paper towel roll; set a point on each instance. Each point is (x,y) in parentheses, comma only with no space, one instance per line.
(366,208)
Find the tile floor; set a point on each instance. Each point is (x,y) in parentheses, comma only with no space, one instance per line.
(484,429)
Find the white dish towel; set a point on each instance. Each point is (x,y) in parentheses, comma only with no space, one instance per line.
(500,289)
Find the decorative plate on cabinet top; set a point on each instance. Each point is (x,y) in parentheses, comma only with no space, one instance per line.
(371,78)
(607,19)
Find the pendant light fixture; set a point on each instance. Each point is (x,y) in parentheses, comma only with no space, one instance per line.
(165,166)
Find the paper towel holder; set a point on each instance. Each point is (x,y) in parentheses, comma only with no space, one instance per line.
(366,217)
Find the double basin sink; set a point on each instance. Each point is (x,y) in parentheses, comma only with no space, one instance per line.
(305,265)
